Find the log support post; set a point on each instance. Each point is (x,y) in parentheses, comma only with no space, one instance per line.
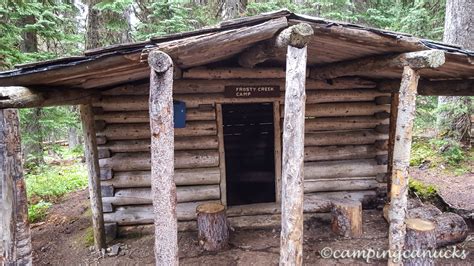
(291,249)
(15,238)
(402,145)
(92,159)
(162,158)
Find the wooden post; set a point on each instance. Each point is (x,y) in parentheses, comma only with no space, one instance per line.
(402,146)
(401,159)
(291,247)
(92,159)
(220,135)
(15,238)
(162,158)
(391,138)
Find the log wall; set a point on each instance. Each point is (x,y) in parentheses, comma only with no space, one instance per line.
(345,144)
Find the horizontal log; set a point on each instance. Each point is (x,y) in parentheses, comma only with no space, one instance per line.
(234,73)
(123,103)
(140,102)
(344,109)
(140,196)
(142,130)
(182,177)
(354,137)
(342,123)
(343,168)
(436,88)
(416,60)
(184,86)
(255,219)
(340,185)
(348,152)
(192,114)
(142,161)
(180,143)
(348,95)
(130,215)
(22,97)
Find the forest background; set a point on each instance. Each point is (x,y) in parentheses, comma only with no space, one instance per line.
(38,30)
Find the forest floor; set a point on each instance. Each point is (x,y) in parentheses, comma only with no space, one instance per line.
(64,239)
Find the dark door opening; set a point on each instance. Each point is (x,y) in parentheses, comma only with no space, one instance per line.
(249,146)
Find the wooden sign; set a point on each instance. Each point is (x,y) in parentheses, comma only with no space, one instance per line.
(252,91)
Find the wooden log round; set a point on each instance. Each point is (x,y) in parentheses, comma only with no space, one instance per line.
(420,235)
(213,228)
(347,218)
(450,229)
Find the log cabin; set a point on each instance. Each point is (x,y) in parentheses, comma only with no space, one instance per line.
(272,116)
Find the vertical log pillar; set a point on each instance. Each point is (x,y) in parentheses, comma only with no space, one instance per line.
(162,158)
(401,159)
(402,145)
(296,38)
(93,168)
(15,237)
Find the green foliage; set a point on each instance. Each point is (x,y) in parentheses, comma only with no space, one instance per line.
(422,151)
(423,191)
(88,237)
(438,152)
(54,23)
(173,16)
(426,111)
(55,123)
(52,182)
(38,211)
(47,184)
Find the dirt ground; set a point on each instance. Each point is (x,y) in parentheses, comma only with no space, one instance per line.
(60,240)
(456,190)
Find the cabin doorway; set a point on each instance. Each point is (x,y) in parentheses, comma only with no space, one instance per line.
(249,146)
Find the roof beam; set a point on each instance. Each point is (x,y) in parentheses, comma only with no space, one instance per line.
(415,60)
(22,97)
(435,88)
(195,51)
(296,36)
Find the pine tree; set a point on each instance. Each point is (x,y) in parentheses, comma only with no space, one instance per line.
(453,119)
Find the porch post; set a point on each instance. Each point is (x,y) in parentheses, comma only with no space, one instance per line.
(93,168)
(291,247)
(15,244)
(162,158)
(402,144)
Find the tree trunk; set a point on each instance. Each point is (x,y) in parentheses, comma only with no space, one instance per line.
(91,154)
(291,247)
(347,218)
(420,236)
(231,9)
(162,155)
(450,229)
(401,159)
(92,25)
(213,228)
(453,121)
(15,238)
(33,147)
(73,136)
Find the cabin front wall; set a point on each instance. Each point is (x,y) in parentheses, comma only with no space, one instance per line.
(346,145)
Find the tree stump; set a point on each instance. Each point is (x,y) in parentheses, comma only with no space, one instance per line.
(420,235)
(450,229)
(213,228)
(347,218)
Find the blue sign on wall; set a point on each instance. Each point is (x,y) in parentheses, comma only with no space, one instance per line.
(179,109)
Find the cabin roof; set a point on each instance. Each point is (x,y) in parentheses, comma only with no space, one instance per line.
(220,45)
